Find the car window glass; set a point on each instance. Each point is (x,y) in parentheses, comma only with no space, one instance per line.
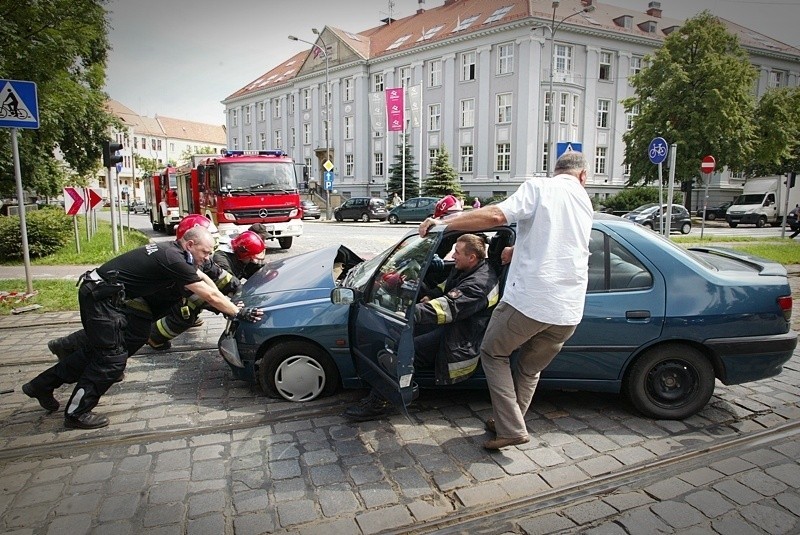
(397,281)
(613,267)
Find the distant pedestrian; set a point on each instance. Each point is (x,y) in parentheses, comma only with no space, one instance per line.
(794,220)
(476,203)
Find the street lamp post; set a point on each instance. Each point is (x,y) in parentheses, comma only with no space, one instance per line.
(553,28)
(327,109)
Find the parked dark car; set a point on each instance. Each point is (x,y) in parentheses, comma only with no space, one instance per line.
(361,208)
(660,323)
(137,207)
(715,212)
(416,209)
(310,209)
(650,216)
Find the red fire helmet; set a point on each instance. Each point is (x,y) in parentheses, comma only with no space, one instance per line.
(247,244)
(190,221)
(448,204)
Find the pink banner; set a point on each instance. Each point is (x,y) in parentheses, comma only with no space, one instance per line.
(395,109)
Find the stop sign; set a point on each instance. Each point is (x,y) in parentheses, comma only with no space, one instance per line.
(708,164)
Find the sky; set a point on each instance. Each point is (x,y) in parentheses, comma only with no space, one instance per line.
(179,59)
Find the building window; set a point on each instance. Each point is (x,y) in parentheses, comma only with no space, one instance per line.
(306,99)
(563,63)
(262,141)
(467,66)
(153,144)
(135,142)
(467,155)
(631,117)
(545,156)
(306,133)
(348,127)
(503,157)
(434,73)
(627,169)
(434,117)
(348,89)
(236,143)
(777,79)
(234,117)
(261,111)
(603,105)
(278,140)
(292,133)
(505,58)
(605,66)
(377,81)
(563,105)
(504,108)
(349,165)
(405,76)
(547,99)
(377,164)
(575,109)
(432,155)
(600,160)
(636,66)
(247,117)
(248,142)
(468,113)
(291,104)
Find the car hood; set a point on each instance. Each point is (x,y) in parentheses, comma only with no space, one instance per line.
(310,274)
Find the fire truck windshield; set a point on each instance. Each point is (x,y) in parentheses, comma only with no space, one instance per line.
(173,181)
(257,177)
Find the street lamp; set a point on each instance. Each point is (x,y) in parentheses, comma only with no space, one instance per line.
(553,28)
(327,109)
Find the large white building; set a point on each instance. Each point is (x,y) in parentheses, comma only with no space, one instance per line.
(484,66)
(159,138)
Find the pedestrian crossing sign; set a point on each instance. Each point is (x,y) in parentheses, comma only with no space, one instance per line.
(19,106)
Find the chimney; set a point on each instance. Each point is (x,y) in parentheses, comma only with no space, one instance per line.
(654,9)
(420,9)
(450,2)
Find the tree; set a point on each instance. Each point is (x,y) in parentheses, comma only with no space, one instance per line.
(188,153)
(396,173)
(696,92)
(62,46)
(146,167)
(442,178)
(777,123)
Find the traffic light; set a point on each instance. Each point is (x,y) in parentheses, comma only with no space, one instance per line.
(792,177)
(110,156)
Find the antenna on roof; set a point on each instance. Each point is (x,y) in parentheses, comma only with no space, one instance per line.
(390,18)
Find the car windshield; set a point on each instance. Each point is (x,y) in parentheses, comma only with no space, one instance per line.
(644,208)
(360,275)
(750,199)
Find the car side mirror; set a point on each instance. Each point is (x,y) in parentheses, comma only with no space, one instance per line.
(343,296)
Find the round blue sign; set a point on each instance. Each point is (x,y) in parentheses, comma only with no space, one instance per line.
(657,151)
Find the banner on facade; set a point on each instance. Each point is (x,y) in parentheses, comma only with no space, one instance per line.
(414,95)
(377,112)
(395,109)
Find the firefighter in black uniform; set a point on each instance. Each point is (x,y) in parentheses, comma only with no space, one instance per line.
(249,253)
(452,318)
(144,271)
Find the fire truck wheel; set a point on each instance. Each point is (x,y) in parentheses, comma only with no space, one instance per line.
(285,243)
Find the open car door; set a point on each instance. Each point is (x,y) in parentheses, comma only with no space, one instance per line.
(382,321)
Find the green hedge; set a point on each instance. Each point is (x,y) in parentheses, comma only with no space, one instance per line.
(48,230)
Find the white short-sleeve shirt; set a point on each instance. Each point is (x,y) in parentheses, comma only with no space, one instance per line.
(548,274)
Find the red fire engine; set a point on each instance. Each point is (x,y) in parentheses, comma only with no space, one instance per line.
(161,197)
(239,188)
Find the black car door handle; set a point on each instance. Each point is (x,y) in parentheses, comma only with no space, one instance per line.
(637,314)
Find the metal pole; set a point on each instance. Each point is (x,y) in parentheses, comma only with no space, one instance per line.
(660,196)
(672,156)
(111,192)
(705,206)
(551,134)
(327,128)
(23,227)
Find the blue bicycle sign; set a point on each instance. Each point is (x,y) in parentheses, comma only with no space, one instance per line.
(657,151)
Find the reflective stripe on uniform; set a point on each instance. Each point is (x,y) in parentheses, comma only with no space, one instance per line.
(224,279)
(441,306)
(164,330)
(463,368)
(494,296)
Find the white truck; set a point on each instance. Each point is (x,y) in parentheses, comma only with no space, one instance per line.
(762,201)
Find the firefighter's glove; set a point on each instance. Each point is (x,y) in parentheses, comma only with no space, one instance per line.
(249,314)
(437,264)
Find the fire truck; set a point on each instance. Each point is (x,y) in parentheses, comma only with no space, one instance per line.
(238,188)
(161,198)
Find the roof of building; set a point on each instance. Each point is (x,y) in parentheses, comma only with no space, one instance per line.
(192,131)
(457,18)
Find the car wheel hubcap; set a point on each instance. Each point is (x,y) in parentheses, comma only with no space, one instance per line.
(671,383)
(300,378)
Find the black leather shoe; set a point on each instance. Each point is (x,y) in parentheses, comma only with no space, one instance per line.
(58,348)
(45,399)
(87,420)
(159,347)
(369,408)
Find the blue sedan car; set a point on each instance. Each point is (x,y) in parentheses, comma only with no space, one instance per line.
(660,323)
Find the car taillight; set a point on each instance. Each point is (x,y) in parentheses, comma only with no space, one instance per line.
(785,302)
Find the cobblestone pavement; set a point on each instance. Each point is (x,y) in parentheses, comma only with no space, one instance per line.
(190,450)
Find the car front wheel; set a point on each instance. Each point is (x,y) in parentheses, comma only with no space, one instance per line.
(670,382)
(761,222)
(285,243)
(297,371)
(365,217)
(686,228)
(337,217)
(393,219)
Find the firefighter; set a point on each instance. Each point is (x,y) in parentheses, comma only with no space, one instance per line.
(244,256)
(141,272)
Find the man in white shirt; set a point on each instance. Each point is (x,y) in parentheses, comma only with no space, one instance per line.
(545,288)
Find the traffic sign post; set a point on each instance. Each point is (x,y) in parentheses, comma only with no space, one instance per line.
(328,185)
(73,204)
(707,167)
(657,152)
(570,146)
(19,108)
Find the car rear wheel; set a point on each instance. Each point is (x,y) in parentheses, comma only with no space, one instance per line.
(710,216)
(297,371)
(670,382)
(686,228)
(648,224)
(365,217)
(733,225)
(393,219)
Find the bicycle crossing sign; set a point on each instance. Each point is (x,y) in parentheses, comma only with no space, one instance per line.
(657,151)
(19,107)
